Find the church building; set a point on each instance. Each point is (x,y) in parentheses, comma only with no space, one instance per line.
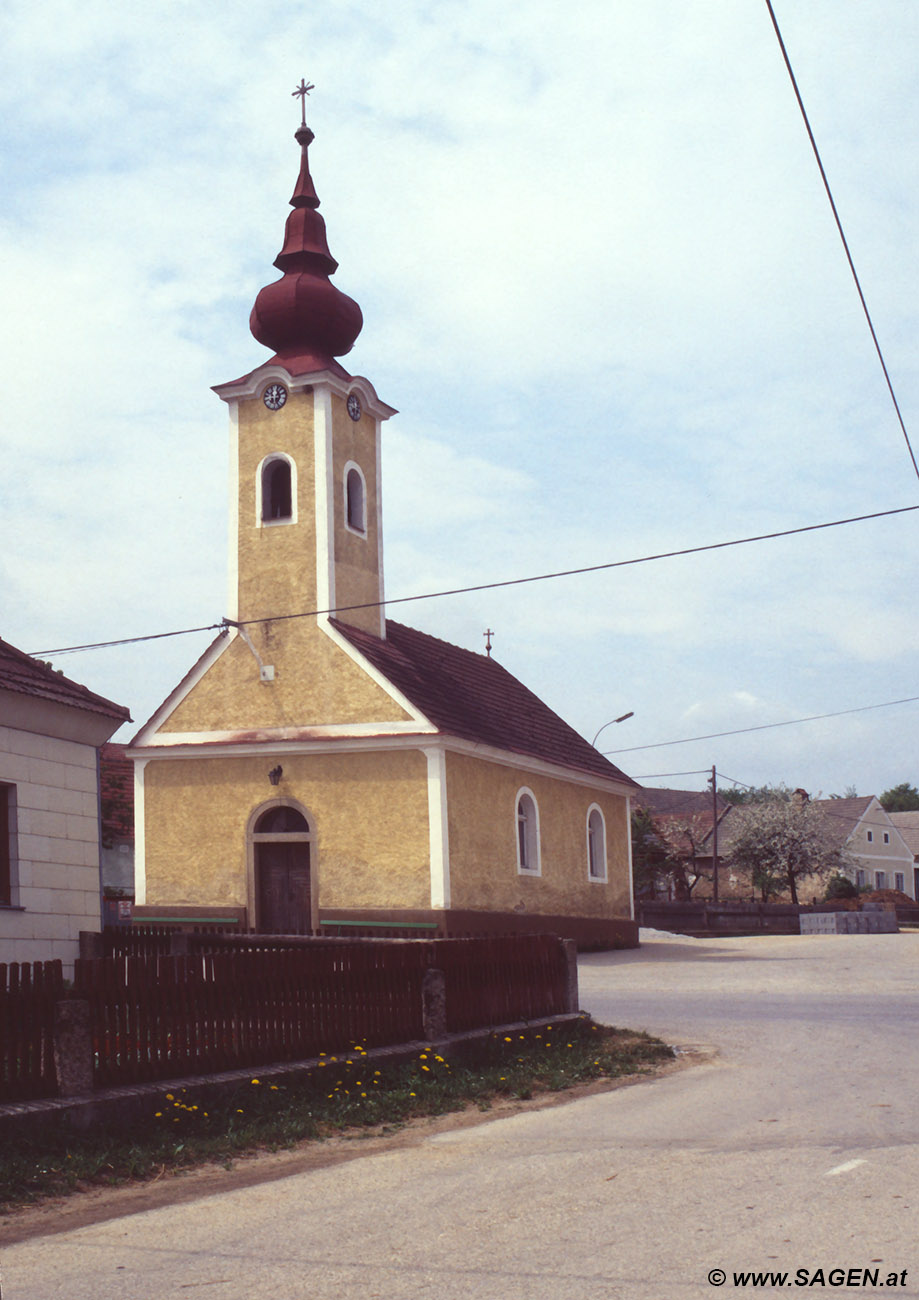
(336,772)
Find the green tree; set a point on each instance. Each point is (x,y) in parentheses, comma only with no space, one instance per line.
(782,840)
(840,887)
(651,862)
(900,798)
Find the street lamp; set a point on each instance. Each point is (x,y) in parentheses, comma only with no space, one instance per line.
(630,714)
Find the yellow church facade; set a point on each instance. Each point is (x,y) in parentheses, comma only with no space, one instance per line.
(321,768)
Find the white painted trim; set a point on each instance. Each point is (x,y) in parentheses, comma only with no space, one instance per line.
(186,685)
(380,679)
(378,435)
(538,766)
(603,878)
(259,472)
(365,736)
(324,497)
(257,740)
(438,825)
(251,385)
(362,533)
(233,518)
(140,833)
(526,792)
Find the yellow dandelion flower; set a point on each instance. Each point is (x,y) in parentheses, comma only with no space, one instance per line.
(170,1097)
(508,1040)
(158,1115)
(255,1081)
(274,1087)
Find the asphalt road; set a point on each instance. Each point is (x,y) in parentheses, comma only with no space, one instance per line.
(793,1148)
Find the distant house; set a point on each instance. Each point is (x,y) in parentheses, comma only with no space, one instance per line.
(907,823)
(883,859)
(50,732)
(684,820)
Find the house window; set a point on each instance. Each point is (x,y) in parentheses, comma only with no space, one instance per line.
(7,844)
(887,837)
(596,844)
(527,834)
(899,881)
(870,835)
(355,500)
(861,880)
(276,490)
(880,880)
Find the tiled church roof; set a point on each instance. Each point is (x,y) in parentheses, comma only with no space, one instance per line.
(471,696)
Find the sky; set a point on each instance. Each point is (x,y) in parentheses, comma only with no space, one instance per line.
(600,281)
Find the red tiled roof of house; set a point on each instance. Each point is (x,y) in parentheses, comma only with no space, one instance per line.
(471,696)
(672,808)
(116,794)
(24,675)
(841,816)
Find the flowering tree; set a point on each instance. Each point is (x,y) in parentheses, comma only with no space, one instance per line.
(685,840)
(782,840)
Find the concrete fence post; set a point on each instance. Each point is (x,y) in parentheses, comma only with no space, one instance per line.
(434,1005)
(572,997)
(73,1048)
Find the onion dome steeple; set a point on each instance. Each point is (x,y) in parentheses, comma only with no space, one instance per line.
(303,317)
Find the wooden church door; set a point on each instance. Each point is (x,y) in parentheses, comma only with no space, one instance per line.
(283,896)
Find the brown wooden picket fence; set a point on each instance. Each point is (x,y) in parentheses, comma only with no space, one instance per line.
(28,993)
(160,1016)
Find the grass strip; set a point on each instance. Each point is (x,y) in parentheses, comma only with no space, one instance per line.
(344,1092)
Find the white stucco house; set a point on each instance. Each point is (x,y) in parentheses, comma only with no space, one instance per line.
(51,729)
(881,857)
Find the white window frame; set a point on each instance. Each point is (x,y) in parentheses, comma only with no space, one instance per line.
(880,880)
(899,881)
(887,837)
(861,878)
(532,849)
(870,835)
(259,478)
(358,532)
(600,877)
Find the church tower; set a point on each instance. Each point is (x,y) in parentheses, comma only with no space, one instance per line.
(305,488)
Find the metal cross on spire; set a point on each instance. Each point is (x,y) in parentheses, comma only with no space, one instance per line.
(302,91)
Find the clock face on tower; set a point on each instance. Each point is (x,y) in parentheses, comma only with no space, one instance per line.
(274,396)
(354,406)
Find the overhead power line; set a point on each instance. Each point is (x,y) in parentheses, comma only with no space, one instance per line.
(765,726)
(842,235)
(487,586)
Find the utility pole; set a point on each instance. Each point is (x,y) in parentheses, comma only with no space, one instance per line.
(714,781)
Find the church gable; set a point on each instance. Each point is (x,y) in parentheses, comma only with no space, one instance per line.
(315,684)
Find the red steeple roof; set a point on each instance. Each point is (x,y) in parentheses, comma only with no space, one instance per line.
(303,317)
